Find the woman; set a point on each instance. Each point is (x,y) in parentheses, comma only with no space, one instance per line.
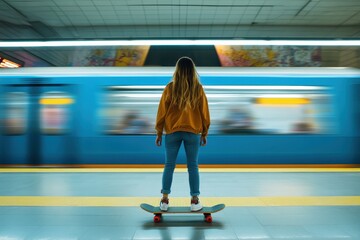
(184,114)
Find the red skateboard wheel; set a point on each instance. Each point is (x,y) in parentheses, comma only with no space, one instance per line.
(208,218)
(157,218)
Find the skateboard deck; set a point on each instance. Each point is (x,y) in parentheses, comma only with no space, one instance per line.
(207,211)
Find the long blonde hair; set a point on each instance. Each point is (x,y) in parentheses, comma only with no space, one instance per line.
(186,84)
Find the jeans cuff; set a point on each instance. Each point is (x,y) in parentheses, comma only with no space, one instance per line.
(165,191)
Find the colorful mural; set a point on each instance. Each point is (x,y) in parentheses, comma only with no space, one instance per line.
(269,56)
(131,56)
(119,56)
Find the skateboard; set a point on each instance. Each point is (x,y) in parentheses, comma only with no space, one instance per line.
(207,211)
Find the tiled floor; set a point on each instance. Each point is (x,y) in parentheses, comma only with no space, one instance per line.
(74,221)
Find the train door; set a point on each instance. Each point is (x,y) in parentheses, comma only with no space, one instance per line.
(357,108)
(56,124)
(15,126)
(356,89)
(2,123)
(38,124)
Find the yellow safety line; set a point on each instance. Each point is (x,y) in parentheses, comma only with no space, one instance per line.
(81,170)
(45,201)
(141,170)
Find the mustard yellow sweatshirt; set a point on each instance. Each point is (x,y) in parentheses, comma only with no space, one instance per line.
(172,119)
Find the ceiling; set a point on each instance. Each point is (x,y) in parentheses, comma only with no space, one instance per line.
(170,19)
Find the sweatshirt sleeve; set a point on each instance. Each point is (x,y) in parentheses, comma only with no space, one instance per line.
(205,114)
(162,109)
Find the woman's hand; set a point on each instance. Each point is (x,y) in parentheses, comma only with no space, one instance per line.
(158,141)
(203,141)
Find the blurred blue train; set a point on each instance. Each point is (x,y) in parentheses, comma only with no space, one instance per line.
(72,116)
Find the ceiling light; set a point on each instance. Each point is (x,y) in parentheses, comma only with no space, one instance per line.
(7,44)
(6,63)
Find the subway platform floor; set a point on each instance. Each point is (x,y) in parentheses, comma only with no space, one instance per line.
(86,204)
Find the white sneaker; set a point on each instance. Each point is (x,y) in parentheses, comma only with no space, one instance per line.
(164,204)
(196,205)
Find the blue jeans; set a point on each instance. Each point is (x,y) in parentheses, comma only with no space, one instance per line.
(173,142)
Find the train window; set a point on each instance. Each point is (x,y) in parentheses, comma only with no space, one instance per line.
(130,110)
(269,109)
(15,114)
(233,109)
(54,112)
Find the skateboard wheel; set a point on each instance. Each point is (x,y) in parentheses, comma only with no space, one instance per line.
(157,218)
(208,218)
